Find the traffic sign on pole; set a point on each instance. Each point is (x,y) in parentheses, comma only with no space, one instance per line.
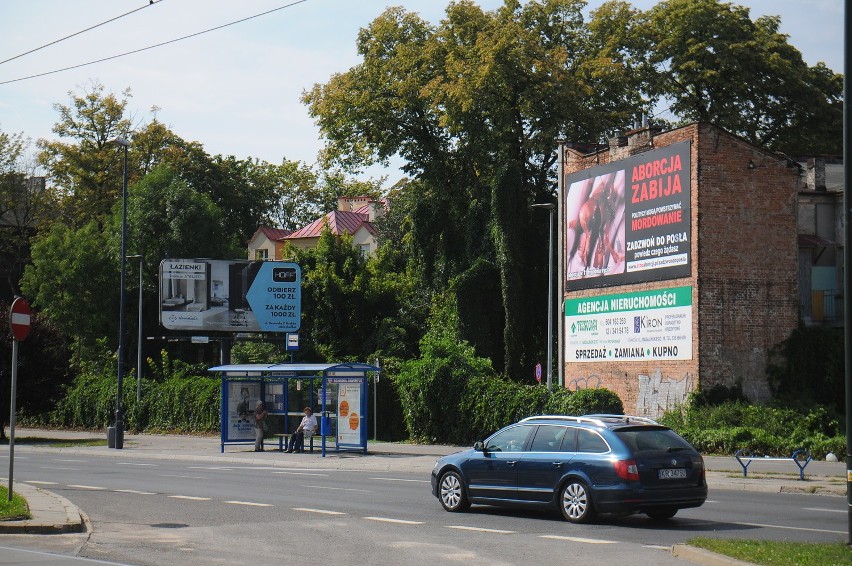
(20,319)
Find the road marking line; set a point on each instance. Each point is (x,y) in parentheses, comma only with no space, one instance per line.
(58,468)
(396,521)
(81,461)
(190,497)
(826,510)
(791,528)
(249,503)
(579,539)
(401,479)
(302,474)
(320,511)
(184,477)
(480,529)
(85,486)
(338,488)
(657,546)
(133,464)
(136,492)
(219,468)
(42,482)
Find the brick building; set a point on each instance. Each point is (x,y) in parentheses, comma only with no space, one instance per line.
(680,255)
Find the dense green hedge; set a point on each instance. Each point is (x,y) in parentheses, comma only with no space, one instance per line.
(731,426)
(452,396)
(179,404)
(178,398)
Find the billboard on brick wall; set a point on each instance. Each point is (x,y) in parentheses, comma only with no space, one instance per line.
(628,327)
(629,221)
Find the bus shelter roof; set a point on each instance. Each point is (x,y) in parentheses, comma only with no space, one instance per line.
(286,368)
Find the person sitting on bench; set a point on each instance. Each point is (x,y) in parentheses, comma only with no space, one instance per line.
(308,427)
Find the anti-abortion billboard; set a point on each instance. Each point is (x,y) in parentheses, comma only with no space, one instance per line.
(629,221)
(230,296)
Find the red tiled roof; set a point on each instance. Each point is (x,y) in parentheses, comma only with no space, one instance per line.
(274,234)
(339,222)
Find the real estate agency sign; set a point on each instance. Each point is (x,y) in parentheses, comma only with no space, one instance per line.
(629,327)
(629,221)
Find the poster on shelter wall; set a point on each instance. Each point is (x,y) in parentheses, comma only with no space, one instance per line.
(629,221)
(242,399)
(349,417)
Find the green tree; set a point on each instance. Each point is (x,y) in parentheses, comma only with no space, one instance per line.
(68,280)
(42,367)
(22,198)
(87,170)
(474,105)
(715,64)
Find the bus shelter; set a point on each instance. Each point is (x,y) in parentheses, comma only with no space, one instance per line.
(336,393)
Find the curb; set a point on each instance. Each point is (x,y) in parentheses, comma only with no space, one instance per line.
(51,514)
(705,557)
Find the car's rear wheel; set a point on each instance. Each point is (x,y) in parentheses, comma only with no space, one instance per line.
(662,513)
(451,492)
(575,502)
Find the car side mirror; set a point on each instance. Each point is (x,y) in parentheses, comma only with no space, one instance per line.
(479,447)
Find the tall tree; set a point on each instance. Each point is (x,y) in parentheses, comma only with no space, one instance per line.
(715,64)
(474,105)
(87,170)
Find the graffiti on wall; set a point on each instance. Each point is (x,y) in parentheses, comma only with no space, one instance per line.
(592,381)
(658,394)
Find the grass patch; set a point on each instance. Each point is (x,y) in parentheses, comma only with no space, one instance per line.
(57,442)
(15,509)
(775,553)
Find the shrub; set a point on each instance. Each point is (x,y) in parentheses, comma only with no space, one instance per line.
(776,431)
(452,396)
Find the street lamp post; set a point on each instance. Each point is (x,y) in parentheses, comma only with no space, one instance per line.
(550,208)
(119,415)
(139,333)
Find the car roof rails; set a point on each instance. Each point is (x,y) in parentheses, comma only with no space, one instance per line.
(624,418)
(584,419)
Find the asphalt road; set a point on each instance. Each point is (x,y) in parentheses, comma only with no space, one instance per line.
(168,511)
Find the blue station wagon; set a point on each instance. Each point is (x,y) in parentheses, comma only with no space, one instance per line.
(583,466)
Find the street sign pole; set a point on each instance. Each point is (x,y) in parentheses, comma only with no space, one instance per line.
(19,318)
(12,415)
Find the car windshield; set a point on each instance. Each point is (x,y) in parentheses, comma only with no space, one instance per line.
(647,439)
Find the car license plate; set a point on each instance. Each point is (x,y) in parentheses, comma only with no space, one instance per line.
(672,473)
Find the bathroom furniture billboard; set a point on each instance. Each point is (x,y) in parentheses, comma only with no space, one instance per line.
(230,295)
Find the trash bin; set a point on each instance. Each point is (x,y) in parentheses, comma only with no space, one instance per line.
(325,424)
(115,438)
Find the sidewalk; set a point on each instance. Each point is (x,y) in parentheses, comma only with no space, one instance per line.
(55,514)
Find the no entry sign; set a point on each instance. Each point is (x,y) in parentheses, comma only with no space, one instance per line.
(20,319)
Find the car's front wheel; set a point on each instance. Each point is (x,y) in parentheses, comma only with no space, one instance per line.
(575,502)
(451,492)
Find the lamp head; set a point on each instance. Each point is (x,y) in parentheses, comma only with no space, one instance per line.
(120,141)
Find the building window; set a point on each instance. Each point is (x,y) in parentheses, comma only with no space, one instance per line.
(365,249)
(261,254)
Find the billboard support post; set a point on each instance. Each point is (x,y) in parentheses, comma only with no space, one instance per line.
(560,212)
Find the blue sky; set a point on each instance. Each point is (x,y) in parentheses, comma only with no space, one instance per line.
(237,90)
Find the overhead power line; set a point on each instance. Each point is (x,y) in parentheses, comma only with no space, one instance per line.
(152,2)
(153,46)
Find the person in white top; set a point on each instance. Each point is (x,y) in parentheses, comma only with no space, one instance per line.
(308,427)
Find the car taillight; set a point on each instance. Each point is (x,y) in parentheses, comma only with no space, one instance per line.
(627,470)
